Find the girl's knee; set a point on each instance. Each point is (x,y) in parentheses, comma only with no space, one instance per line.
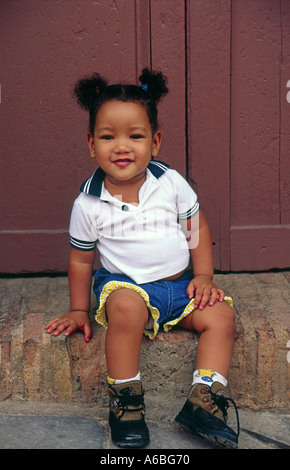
(219,316)
(224,315)
(126,307)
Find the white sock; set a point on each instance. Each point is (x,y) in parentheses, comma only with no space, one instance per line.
(122,381)
(208,376)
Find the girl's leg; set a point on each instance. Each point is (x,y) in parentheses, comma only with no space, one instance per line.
(216,324)
(127,315)
(205,411)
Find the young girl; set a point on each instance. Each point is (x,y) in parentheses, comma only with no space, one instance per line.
(145,220)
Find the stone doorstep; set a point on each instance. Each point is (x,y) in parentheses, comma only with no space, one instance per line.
(36,366)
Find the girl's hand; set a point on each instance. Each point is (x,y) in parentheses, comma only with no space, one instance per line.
(204,290)
(76,320)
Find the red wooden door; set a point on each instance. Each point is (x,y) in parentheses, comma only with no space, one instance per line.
(225,121)
(45,48)
(239,128)
(260,135)
(209,88)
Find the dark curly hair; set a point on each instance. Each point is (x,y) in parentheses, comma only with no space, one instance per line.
(92,92)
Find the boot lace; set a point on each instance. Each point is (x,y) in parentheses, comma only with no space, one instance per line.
(126,398)
(222,403)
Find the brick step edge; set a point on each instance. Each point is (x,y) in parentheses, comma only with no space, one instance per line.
(36,366)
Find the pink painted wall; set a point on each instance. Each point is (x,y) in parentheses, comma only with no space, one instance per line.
(260,135)
(45,48)
(225,122)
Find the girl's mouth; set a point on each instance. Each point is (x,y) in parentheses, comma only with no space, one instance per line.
(122,162)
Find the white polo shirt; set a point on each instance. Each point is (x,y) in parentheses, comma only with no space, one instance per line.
(145,241)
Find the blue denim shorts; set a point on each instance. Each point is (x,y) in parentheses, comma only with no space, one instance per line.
(167,301)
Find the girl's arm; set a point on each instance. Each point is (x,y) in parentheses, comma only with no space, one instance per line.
(80,279)
(200,245)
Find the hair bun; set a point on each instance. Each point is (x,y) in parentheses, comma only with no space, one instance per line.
(154,83)
(88,89)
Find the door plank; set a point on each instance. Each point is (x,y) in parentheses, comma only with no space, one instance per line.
(208,56)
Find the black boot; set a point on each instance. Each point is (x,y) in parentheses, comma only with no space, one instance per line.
(205,414)
(127,415)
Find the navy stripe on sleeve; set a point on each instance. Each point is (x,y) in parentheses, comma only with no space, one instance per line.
(190,213)
(82,245)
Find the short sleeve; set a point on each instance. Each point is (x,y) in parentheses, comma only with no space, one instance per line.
(187,202)
(82,230)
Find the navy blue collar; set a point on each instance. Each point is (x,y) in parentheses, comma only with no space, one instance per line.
(93,185)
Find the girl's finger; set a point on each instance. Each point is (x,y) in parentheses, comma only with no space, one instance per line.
(198,297)
(213,296)
(51,323)
(204,299)
(221,295)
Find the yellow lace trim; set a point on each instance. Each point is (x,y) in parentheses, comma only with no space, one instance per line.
(188,309)
(110,287)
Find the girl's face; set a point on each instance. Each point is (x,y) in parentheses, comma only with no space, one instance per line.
(123,143)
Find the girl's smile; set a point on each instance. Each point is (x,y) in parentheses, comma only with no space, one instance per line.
(123,144)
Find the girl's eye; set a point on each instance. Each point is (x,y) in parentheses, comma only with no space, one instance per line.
(137,136)
(106,137)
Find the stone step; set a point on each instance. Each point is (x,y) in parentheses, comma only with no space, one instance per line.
(35,366)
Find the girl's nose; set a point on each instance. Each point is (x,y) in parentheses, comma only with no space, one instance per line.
(122,145)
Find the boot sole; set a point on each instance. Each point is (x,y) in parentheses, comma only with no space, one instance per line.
(222,440)
(133,444)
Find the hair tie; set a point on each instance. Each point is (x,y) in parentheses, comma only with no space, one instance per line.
(144,86)
(97,90)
